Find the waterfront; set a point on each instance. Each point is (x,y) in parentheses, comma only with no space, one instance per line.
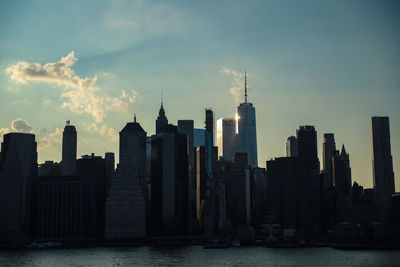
(197,256)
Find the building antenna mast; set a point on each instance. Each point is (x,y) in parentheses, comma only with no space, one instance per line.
(245,86)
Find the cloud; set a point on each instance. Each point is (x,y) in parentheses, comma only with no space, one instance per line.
(47,102)
(104,130)
(58,72)
(3,131)
(148,19)
(237,89)
(48,139)
(80,95)
(107,75)
(21,126)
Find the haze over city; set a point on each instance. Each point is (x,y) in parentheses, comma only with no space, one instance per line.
(331,65)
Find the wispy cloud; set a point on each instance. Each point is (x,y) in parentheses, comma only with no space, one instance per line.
(140,15)
(44,138)
(80,95)
(237,89)
(104,130)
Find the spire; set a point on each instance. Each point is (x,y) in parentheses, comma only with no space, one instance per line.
(343,152)
(161,98)
(245,86)
(134,118)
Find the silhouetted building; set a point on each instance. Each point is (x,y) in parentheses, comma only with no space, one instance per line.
(307,146)
(132,147)
(49,168)
(125,206)
(382,163)
(209,215)
(68,162)
(396,209)
(247,132)
(308,155)
(259,196)
(357,194)
(340,172)
(199,137)
(328,151)
(18,171)
(169,182)
(93,170)
(235,176)
(162,120)
(66,209)
(291,147)
(201,179)
(110,167)
(291,197)
(369,196)
(186,127)
(226,137)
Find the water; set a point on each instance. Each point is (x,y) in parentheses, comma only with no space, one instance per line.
(197,256)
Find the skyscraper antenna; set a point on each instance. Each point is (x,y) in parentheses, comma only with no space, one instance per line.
(134,118)
(161,97)
(245,86)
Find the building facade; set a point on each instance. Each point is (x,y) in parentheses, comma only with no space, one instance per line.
(125,208)
(18,172)
(291,147)
(382,165)
(328,150)
(226,137)
(69,144)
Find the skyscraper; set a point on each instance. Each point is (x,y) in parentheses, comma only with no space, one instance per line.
(247,132)
(169,182)
(291,147)
(162,120)
(18,170)
(186,127)
(341,172)
(132,147)
(125,206)
(382,164)
(328,150)
(68,163)
(307,146)
(226,137)
(235,176)
(310,185)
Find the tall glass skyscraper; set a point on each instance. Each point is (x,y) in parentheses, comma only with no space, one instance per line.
(247,133)
(226,137)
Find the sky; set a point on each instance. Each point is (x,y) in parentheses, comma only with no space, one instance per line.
(331,64)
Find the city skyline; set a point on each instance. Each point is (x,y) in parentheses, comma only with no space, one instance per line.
(335,87)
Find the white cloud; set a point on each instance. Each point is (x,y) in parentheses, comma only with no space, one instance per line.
(237,89)
(80,95)
(148,18)
(107,75)
(3,131)
(47,102)
(104,130)
(21,126)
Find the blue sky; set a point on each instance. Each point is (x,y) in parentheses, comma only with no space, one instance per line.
(332,64)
